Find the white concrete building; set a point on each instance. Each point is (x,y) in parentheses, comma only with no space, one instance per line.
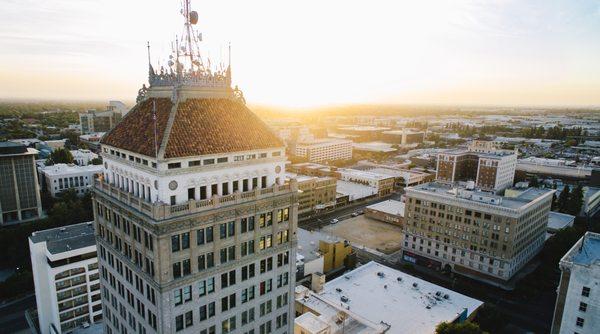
(62,177)
(65,273)
(377,299)
(83,157)
(326,149)
(577,307)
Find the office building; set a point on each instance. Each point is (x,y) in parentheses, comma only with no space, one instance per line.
(474,233)
(19,191)
(325,149)
(577,308)
(374,298)
(65,274)
(314,193)
(60,178)
(102,121)
(491,169)
(196,226)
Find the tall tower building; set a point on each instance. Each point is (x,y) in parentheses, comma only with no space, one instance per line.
(196,225)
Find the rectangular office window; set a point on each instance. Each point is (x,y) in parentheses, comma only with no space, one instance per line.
(585,291)
(174,165)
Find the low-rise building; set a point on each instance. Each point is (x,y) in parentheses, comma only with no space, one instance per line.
(474,233)
(19,190)
(374,147)
(350,191)
(314,193)
(83,157)
(577,308)
(62,177)
(321,253)
(404,137)
(404,177)
(557,221)
(325,149)
(383,183)
(378,299)
(389,211)
(66,278)
(92,140)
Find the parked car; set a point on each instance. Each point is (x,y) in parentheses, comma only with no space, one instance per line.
(334,221)
(354,214)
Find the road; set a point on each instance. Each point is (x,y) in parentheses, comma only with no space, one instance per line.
(317,222)
(12,316)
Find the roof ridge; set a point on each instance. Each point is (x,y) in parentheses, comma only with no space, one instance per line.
(167,132)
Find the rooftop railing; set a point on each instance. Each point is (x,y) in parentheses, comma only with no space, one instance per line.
(161,211)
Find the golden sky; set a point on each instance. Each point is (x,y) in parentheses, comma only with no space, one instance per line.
(313,53)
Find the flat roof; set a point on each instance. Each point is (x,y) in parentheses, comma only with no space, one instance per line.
(362,173)
(66,238)
(9,148)
(354,190)
(557,220)
(61,169)
(478,196)
(364,128)
(374,146)
(391,207)
(380,294)
(586,251)
(308,243)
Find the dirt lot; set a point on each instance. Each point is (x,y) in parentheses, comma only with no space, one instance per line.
(384,237)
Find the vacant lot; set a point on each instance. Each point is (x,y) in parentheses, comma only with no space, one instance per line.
(374,234)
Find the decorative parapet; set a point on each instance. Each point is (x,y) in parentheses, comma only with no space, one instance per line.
(161,211)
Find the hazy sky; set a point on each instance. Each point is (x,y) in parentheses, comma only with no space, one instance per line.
(314,52)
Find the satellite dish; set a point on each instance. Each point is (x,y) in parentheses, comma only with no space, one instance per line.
(194,17)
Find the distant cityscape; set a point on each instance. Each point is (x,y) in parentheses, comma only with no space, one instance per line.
(187,212)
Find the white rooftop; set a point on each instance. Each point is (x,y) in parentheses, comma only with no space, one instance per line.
(374,146)
(390,207)
(380,294)
(64,169)
(354,190)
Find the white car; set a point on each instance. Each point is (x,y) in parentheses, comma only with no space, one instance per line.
(334,221)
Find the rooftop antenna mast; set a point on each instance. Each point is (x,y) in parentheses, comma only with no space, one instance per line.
(189,39)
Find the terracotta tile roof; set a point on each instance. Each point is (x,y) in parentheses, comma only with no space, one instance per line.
(135,132)
(200,127)
(217,125)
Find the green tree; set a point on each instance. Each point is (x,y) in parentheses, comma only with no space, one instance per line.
(563,199)
(575,201)
(533,182)
(60,156)
(96,161)
(461,328)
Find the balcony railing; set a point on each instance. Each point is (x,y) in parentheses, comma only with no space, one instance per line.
(160,211)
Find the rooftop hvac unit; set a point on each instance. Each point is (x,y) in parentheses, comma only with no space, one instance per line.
(415,285)
(344,299)
(446,296)
(381,274)
(399,279)
(338,289)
